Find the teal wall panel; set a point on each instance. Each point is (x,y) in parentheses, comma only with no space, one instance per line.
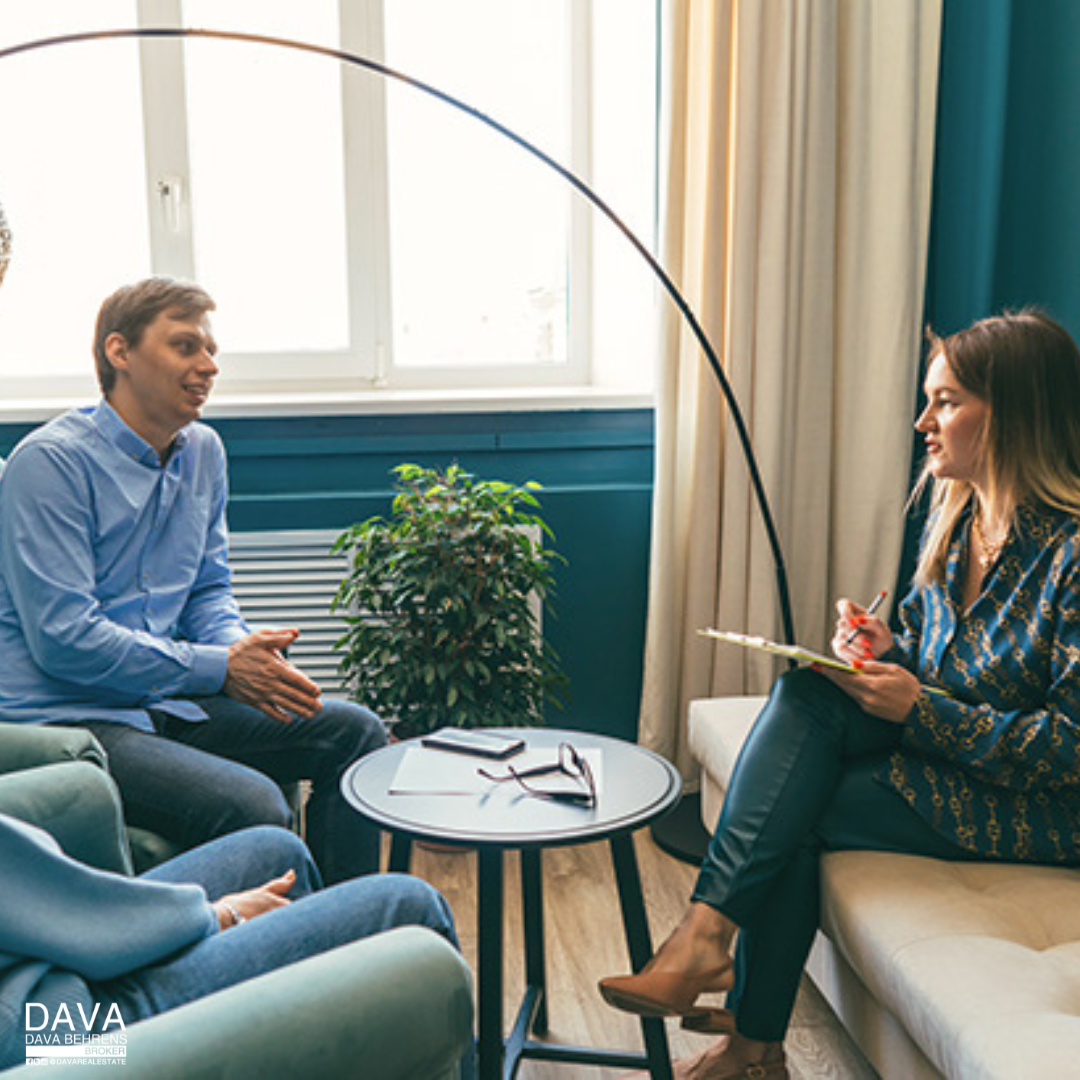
(598,627)
(596,471)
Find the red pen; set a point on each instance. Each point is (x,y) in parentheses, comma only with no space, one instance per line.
(869,611)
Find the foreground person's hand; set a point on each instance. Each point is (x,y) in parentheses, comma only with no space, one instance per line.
(252,903)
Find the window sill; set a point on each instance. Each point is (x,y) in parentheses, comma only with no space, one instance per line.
(382,402)
(377,402)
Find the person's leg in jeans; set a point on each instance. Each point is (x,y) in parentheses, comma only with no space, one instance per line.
(186,795)
(194,781)
(318,920)
(319,749)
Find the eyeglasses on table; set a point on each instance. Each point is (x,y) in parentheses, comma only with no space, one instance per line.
(570,763)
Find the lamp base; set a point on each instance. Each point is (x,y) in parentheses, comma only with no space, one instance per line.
(681,833)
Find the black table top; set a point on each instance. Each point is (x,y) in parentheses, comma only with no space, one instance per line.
(636,787)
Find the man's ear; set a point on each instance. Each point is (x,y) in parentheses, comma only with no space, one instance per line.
(116,349)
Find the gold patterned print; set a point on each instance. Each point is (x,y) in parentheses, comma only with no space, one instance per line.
(996,767)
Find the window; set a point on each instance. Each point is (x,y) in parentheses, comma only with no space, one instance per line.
(357,233)
(71,168)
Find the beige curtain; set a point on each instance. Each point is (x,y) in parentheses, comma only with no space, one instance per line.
(798,141)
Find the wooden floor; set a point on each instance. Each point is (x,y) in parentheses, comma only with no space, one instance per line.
(584,940)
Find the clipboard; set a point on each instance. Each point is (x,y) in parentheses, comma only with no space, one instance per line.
(797,653)
(790,652)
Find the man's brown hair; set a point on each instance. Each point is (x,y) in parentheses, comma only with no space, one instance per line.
(132,308)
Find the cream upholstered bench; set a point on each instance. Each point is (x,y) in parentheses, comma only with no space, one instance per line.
(963,970)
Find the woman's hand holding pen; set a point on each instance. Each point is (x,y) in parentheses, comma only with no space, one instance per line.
(887,691)
(860,635)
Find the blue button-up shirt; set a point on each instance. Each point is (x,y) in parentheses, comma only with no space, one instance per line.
(115,591)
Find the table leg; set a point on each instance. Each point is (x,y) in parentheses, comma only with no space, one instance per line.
(400,853)
(639,945)
(532,908)
(490,964)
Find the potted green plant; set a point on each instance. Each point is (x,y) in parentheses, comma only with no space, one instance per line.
(442,602)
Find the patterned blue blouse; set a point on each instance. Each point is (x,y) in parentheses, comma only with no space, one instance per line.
(995,767)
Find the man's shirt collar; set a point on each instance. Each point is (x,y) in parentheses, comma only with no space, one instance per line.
(113,427)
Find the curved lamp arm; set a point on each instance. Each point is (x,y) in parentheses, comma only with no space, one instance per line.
(662,275)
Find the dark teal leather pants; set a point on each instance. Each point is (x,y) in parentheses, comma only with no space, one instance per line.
(802,785)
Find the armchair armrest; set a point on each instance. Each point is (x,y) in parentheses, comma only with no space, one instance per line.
(77,803)
(397,1006)
(23,746)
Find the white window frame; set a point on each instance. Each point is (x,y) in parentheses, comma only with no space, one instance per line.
(367,363)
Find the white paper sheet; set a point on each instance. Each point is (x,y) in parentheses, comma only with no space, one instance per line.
(425,771)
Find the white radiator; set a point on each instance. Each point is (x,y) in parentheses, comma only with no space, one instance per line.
(289,579)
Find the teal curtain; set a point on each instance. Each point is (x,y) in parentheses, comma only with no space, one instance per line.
(1005,224)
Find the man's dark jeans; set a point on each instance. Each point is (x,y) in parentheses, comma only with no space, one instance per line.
(192,782)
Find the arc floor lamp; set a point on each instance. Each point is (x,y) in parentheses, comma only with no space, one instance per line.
(665,279)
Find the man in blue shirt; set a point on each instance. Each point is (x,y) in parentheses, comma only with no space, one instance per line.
(117,612)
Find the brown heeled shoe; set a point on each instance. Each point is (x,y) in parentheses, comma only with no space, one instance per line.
(660,993)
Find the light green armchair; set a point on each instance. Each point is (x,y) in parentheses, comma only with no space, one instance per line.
(397,1006)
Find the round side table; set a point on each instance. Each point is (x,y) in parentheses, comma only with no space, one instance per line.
(636,787)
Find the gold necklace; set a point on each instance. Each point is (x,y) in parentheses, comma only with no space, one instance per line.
(989,550)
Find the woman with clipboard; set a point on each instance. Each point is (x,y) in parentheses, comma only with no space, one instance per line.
(881,758)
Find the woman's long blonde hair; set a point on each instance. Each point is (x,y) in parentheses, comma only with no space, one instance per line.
(1027,369)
